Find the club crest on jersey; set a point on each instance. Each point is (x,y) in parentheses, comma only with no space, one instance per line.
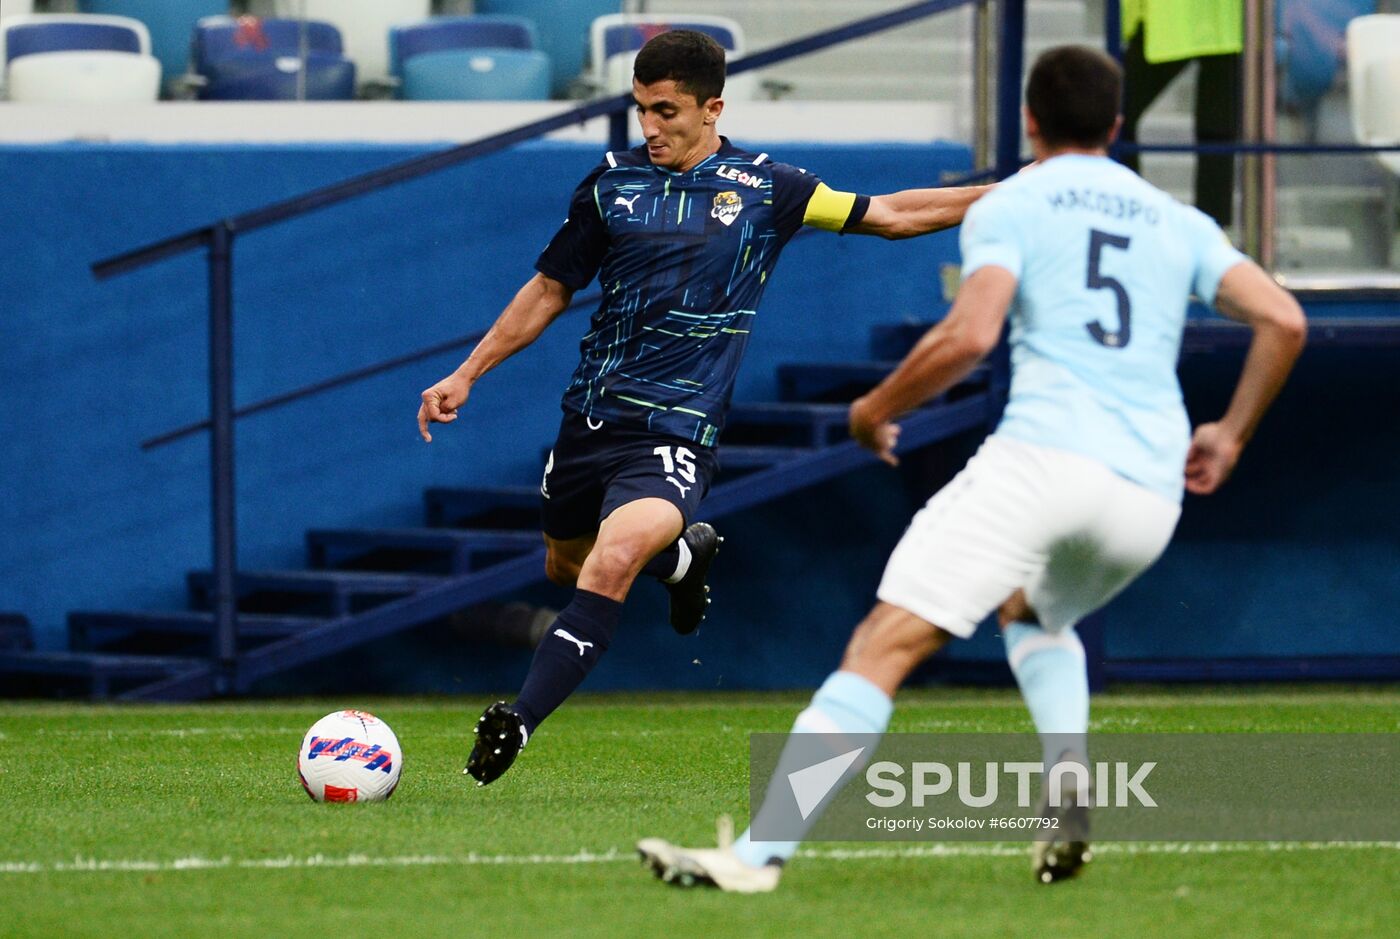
(727,207)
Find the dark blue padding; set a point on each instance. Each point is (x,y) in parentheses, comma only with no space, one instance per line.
(443,33)
(629,37)
(31,38)
(222,37)
(255,76)
(477,75)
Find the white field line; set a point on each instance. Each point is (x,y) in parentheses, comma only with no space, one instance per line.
(295,733)
(724,701)
(114,865)
(167,732)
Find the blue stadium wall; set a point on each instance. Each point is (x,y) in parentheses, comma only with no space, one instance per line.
(1299,556)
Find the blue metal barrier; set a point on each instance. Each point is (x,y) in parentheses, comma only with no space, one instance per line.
(344,378)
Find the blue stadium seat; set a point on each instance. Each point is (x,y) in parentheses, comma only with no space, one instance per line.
(32,35)
(477,75)
(169,21)
(364,26)
(443,33)
(77,58)
(562,27)
(614,41)
(218,37)
(251,59)
(626,33)
(276,78)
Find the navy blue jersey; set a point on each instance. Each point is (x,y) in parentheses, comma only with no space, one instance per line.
(682,259)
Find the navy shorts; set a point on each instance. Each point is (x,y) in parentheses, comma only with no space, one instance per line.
(596,466)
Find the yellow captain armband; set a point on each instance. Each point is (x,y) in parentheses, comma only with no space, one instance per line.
(829,209)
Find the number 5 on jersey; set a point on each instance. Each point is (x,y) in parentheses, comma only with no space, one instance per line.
(1114,339)
(681,464)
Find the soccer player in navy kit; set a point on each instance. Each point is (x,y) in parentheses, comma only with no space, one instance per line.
(682,234)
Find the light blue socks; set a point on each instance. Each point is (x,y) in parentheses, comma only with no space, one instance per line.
(846,703)
(1050,669)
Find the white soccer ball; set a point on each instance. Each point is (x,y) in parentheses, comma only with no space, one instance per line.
(350,756)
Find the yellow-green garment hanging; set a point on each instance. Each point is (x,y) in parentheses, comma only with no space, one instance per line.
(1185,29)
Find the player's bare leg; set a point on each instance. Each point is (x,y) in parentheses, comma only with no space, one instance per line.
(682,567)
(627,539)
(889,644)
(1016,609)
(564,558)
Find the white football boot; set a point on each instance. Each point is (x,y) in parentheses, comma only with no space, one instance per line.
(707,867)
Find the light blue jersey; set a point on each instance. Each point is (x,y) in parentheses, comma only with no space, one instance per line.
(1105,265)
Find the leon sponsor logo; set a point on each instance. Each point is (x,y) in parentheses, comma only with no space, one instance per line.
(743,178)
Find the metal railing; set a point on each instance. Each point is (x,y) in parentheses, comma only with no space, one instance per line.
(218,239)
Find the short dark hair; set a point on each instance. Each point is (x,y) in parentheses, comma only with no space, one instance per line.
(694,61)
(1073,93)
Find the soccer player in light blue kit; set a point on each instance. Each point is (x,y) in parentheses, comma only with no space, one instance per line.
(1079,489)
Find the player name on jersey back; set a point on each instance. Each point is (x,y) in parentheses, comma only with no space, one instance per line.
(1114,205)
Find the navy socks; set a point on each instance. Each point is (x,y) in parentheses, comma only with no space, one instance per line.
(570,648)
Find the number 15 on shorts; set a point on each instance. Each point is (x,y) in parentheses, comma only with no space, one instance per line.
(677,461)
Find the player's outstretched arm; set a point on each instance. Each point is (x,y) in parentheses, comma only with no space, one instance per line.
(1251,296)
(913,212)
(535,306)
(941,359)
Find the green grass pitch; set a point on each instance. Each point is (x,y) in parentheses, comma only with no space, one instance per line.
(189,821)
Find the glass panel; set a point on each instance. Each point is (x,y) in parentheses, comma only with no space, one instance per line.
(1171,120)
(1336,212)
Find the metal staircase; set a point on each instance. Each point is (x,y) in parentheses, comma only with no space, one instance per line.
(475,544)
